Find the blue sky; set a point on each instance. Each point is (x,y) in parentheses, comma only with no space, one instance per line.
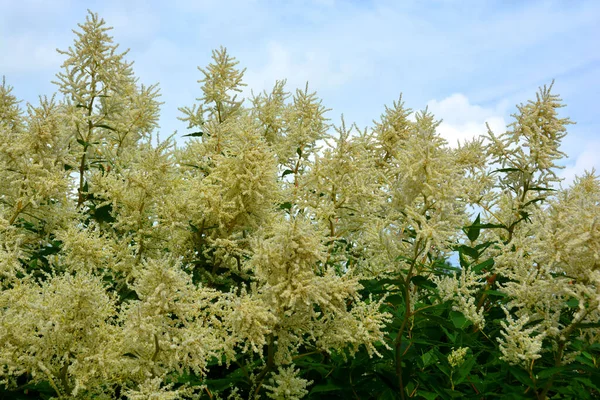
(470,61)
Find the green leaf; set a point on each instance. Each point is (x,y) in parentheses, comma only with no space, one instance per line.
(450,335)
(587,383)
(428,395)
(507,170)
(486,265)
(221,384)
(445,368)
(531,202)
(495,293)
(489,226)
(463,262)
(103,126)
(548,372)
(429,358)
(194,134)
(473,230)
(459,320)
(481,247)
(572,302)
(471,252)
(299,152)
(388,394)
(285,206)
(395,300)
(103,213)
(521,375)
(326,387)
(586,325)
(464,369)
(321,369)
(423,282)
(287,172)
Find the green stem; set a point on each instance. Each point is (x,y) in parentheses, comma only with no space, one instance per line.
(407,314)
(86,140)
(559,354)
(19,209)
(268,367)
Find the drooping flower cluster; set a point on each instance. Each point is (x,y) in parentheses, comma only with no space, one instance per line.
(457,356)
(461,290)
(287,385)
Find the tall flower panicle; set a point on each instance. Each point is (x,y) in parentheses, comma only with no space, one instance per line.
(305,125)
(221,80)
(527,156)
(424,204)
(393,129)
(11,115)
(106,110)
(269,109)
(546,246)
(34,179)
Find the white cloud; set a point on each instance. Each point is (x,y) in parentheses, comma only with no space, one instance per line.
(586,161)
(158,58)
(131,20)
(34,8)
(28,53)
(463,120)
(318,67)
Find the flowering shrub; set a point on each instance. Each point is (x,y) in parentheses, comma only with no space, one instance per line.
(268,258)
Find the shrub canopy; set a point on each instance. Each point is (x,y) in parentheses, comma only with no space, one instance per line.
(275,255)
